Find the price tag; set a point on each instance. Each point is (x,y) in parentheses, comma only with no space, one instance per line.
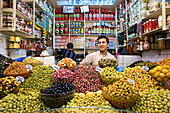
(131,81)
(20,79)
(29,67)
(98,69)
(145,68)
(56,67)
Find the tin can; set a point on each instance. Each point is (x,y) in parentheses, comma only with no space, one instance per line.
(11,38)
(17,38)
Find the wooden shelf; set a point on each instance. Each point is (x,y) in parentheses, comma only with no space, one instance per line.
(91,21)
(18,13)
(132,26)
(154,14)
(39,26)
(121,32)
(152,32)
(134,38)
(49,33)
(77,21)
(61,34)
(77,34)
(37,38)
(61,21)
(92,34)
(17,32)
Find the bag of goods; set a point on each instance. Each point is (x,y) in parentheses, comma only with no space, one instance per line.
(4,63)
(149,64)
(143,80)
(108,62)
(67,63)
(58,94)
(110,75)
(63,76)
(165,61)
(154,101)
(32,61)
(86,78)
(23,101)
(39,78)
(17,69)
(121,94)
(90,99)
(161,73)
(8,85)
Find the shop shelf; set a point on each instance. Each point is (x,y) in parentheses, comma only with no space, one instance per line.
(91,21)
(153,31)
(17,32)
(18,13)
(92,34)
(39,7)
(61,21)
(134,38)
(77,21)
(77,34)
(4,36)
(116,3)
(39,26)
(132,25)
(132,4)
(121,32)
(92,48)
(107,21)
(37,38)
(154,14)
(78,48)
(62,34)
(49,33)
(167,10)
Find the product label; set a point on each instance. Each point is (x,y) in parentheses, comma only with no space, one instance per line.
(145,68)
(29,67)
(131,81)
(98,69)
(56,67)
(20,79)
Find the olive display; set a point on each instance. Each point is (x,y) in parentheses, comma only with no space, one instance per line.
(150,65)
(8,85)
(58,89)
(23,101)
(40,78)
(91,99)
(142,78)
(107,62)
(32,61)
(154,101)
(4,63)
(121,94)
(110,75)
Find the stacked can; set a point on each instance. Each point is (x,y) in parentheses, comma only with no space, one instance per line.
(61,28)
(76,28)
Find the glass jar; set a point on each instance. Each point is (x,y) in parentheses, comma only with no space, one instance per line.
(161,43)
(26,9)
(9,17)
(146,44)
(26,28)
(22,22)
(19,6)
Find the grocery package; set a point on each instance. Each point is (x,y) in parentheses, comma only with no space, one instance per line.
(87,79)
(161,73)
(8,85)
(121,94)
(58,94)
(165,61)
(24,101)
(31,61)
(143,80)
(110,75)
(41,77)
(17,69)
(4,63)
(63,76)
(94,99)
(155,101)
(67,63)
(149,64)
(107,62)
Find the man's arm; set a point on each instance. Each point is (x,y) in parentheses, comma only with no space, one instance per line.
(87,60)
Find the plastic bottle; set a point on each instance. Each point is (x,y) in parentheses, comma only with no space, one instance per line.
(81,16)
(86,30)
(97,28)
(86,16)
(89,30)
(66,17)
(56,15)
(75,15)
(59,17)
(108,16)
(94,16)
(66,29)
(111,16)
(94,28)
(78,14)
(97,15)
(90,16)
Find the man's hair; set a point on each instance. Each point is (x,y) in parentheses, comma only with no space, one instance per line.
(70,45)
(103,36)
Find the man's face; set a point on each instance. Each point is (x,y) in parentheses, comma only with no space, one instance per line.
(103,44)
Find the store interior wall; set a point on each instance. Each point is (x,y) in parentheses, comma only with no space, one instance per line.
(3,45)
(155,55)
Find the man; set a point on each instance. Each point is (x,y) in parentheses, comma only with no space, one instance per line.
(69,53)
(93,58)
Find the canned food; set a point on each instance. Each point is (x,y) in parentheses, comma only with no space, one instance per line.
(11,45)
(17,38)
(16,45)
(11,38)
